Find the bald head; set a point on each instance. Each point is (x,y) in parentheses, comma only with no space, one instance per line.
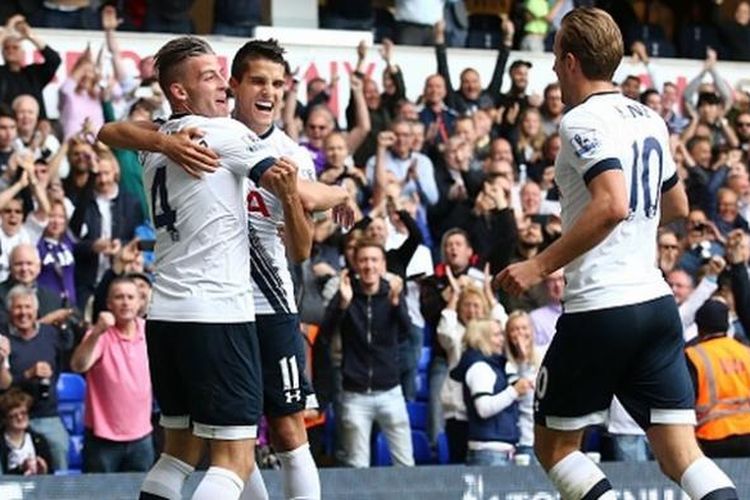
(25,264)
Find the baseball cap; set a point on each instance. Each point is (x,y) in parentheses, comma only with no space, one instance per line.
(712,317)
(520,62)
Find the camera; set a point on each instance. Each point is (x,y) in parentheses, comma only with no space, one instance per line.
(704,251)
(44,388)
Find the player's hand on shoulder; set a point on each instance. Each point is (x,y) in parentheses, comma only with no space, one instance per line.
(186,149)
(520,276)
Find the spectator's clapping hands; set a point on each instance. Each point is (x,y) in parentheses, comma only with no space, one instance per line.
(737,251)
(345,289)
(35,465)
(396,286)
(523,385)
(4,348)
(40,369)
(110,22)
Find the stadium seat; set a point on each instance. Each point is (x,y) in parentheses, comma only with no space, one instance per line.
(329,432)
(75,453)
(71,393)
(417,415)
(423,390)
(424,359)
(421,447)
(443,452)
(381,455)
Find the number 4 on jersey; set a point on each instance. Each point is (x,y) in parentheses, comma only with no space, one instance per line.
(166,217)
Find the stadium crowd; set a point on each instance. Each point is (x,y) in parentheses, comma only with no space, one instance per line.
(404,323)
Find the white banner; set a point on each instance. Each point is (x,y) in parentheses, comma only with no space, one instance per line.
(326,53)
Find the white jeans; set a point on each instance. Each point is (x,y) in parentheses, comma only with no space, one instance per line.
(388,408)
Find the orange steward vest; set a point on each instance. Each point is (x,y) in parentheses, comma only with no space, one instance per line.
(723,403)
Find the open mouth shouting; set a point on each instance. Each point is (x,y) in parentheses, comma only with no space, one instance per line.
(265,106)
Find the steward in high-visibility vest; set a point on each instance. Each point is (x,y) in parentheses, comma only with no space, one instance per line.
(720,368)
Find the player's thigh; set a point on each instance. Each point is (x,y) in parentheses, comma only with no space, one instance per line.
(223,372)
(165,343)
(581,368)
(282,350)
(551,446)
(657,388)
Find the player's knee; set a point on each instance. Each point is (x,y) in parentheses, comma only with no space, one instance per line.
(287,432)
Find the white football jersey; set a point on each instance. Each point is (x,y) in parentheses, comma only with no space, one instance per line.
(609,131)
(202,265)
(273,290)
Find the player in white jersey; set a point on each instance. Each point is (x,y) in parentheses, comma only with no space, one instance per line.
(258,84)
(620,333)
(203,349)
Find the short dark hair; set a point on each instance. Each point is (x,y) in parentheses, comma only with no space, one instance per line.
(7,112)
(365,242)
(254,50)
(171,55)
(120,280)
(646,94)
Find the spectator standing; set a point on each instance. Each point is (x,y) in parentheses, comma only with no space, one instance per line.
(118,391)
(525,358)
(236,18)
(17,79)
(735,34)
(8,134)
(372,318)
(490,393)
(67,14)
(105,216)
(55,249)
(34,135)
(415,19)
(470,96)
(438,119)
(80,98)
(36,357)
(22,451)
(720,369)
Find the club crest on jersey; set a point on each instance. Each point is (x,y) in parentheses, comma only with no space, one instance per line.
(252,142)
(585,142)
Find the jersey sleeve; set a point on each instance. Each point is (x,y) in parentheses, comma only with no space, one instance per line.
(240,149)
(669,174)
(303,159)
(592,148)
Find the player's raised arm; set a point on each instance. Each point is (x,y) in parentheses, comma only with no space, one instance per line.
(182,148)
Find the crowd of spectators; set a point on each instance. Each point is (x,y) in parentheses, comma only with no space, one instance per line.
(446,192)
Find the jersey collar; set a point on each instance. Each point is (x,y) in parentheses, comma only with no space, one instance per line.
(267,133)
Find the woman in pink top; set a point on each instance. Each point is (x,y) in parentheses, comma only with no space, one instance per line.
(118,393)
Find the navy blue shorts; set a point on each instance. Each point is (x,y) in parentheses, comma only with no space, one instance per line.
(207,374)
(635,352)
(286,389)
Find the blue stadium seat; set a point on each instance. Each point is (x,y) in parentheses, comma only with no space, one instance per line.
(71,393)
(423,389)
(417,415)
(75,453)
(381,455)
(420,442)
(443,451)
(424,359)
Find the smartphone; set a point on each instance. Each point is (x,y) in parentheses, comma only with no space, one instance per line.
(146,245)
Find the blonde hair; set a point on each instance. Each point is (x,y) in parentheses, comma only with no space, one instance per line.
(513,351)
(478,335)
(594,38)
(472,291)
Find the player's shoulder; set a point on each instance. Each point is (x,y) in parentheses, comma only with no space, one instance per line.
(591,112)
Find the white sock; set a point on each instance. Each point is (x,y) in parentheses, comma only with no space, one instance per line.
(255,488)
(703,477)
(166,478)
(576,477)
(219,483)
(299,474)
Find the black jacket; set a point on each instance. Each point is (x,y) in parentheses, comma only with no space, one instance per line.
(371,329)
(40,446)
(127,214)
(31,79)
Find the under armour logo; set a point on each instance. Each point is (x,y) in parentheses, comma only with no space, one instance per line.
(293,396)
